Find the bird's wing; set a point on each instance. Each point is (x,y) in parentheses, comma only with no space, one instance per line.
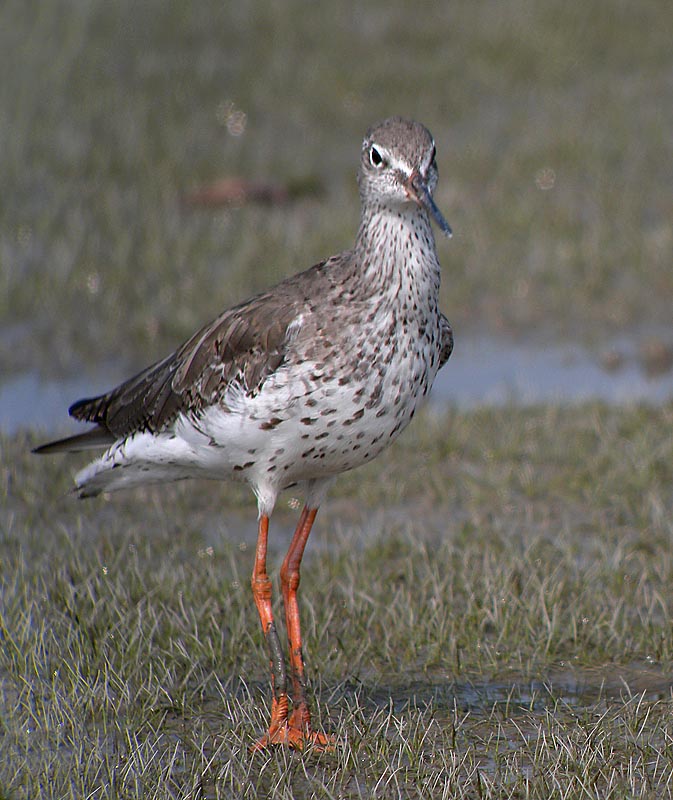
(445,341)
(245,344)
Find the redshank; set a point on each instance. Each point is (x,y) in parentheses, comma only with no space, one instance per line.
(314,377)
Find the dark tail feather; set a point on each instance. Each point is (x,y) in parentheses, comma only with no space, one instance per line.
(91,440)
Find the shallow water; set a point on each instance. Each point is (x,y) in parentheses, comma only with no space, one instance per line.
(491,372)
(575,687)
(481,372)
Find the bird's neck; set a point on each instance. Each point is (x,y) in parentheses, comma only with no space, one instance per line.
(395,249)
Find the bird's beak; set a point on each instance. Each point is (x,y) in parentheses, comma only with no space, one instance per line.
(418,191)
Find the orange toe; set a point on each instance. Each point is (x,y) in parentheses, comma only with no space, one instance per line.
(296,738)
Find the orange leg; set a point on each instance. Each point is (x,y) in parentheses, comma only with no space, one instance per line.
(300,731)
(261,590)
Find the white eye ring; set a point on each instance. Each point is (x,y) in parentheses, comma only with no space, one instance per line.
(375,157)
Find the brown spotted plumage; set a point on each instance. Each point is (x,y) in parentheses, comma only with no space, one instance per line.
(310,379)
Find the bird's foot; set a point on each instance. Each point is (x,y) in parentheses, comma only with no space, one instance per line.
(297,738)
(295,732)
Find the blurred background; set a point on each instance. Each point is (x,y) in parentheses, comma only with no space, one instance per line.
(118,121)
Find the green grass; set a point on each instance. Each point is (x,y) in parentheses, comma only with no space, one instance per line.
(488,614)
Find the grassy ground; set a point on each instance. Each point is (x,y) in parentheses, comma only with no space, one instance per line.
(491,615)
(488,613)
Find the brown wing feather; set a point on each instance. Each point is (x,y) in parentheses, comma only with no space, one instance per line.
(133,404)
(246,343)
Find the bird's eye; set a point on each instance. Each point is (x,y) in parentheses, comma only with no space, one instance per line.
(375,157)
(433,162)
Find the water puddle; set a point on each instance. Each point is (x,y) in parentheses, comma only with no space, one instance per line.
(481,372)
(488,372)
(28,401)
(574,688)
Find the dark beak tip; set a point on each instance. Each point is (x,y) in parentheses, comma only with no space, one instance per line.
(438,217)
(424,199)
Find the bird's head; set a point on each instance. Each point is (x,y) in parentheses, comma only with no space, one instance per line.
(398,167)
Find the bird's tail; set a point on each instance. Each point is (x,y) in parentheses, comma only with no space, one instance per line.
(94,439)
